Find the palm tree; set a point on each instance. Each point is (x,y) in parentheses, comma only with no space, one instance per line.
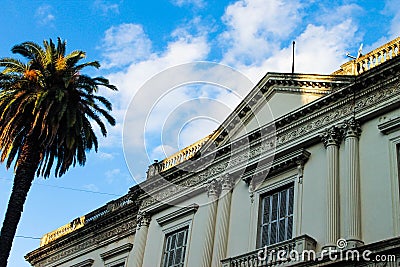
(47,107)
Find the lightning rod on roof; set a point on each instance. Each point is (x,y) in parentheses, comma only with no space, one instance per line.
(293,57)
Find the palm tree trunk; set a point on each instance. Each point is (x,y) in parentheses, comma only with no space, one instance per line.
(24,175)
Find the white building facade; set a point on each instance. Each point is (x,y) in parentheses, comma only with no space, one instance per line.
(318,185)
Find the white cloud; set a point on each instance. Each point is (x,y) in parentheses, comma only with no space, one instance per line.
(257,39)
(44,15)
(162,151)
(91,187)
(106,7)
(392,9)
(255,28)
(125,44)
(112,175)
(105,156)
(196,3)
(182,49)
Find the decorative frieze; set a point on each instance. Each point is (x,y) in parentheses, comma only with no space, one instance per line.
(51,255)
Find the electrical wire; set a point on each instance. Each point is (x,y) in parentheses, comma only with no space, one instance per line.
(26,237)
(70,188)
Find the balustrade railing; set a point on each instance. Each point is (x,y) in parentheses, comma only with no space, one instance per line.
(182,155)
(371,60)
(297,249)
(88,218)
(63,230)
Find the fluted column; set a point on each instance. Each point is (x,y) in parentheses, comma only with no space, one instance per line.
(213,190)
(139,243)
(353,194)
(331,140)
(222,221)
(298,192)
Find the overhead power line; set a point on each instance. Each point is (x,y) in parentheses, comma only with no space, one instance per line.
(26,237)
(70,188)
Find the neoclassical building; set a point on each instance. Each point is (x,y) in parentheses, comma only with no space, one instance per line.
(315,184)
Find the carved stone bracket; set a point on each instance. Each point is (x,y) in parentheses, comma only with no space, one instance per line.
(331,136)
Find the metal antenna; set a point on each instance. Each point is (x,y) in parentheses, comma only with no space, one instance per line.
(293,56)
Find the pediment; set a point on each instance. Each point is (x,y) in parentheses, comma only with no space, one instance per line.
(274,96)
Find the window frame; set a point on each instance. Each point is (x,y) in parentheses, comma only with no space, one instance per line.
(270,197)
(174,229)
(394,155)
(273,184)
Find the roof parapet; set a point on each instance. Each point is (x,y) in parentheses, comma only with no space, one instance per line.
(370,60)
(86,219)
(177,158)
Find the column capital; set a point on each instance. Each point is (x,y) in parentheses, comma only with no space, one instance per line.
(300,170)
(331,136)
(143,219)
(351,128)
(226,182)
(213,188)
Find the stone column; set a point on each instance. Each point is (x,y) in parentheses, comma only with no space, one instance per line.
(353,206)
(298,192)
(222,221)
(139,243)
(331,140)
(213,190)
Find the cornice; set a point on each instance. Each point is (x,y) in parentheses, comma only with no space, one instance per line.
(280,164)
(389,125)
(116,251)
(119,223)
(91,242)
(191,209)
(85,263)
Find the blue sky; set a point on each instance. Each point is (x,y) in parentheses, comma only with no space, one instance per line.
(135,40)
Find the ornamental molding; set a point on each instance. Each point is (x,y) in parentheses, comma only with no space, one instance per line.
(351,128)
(182,212)
(85,263)
(63,253)
(305,127)
(331,136)
(213,188)
(226,182)
(280,164)
(143,219)
(389,125)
